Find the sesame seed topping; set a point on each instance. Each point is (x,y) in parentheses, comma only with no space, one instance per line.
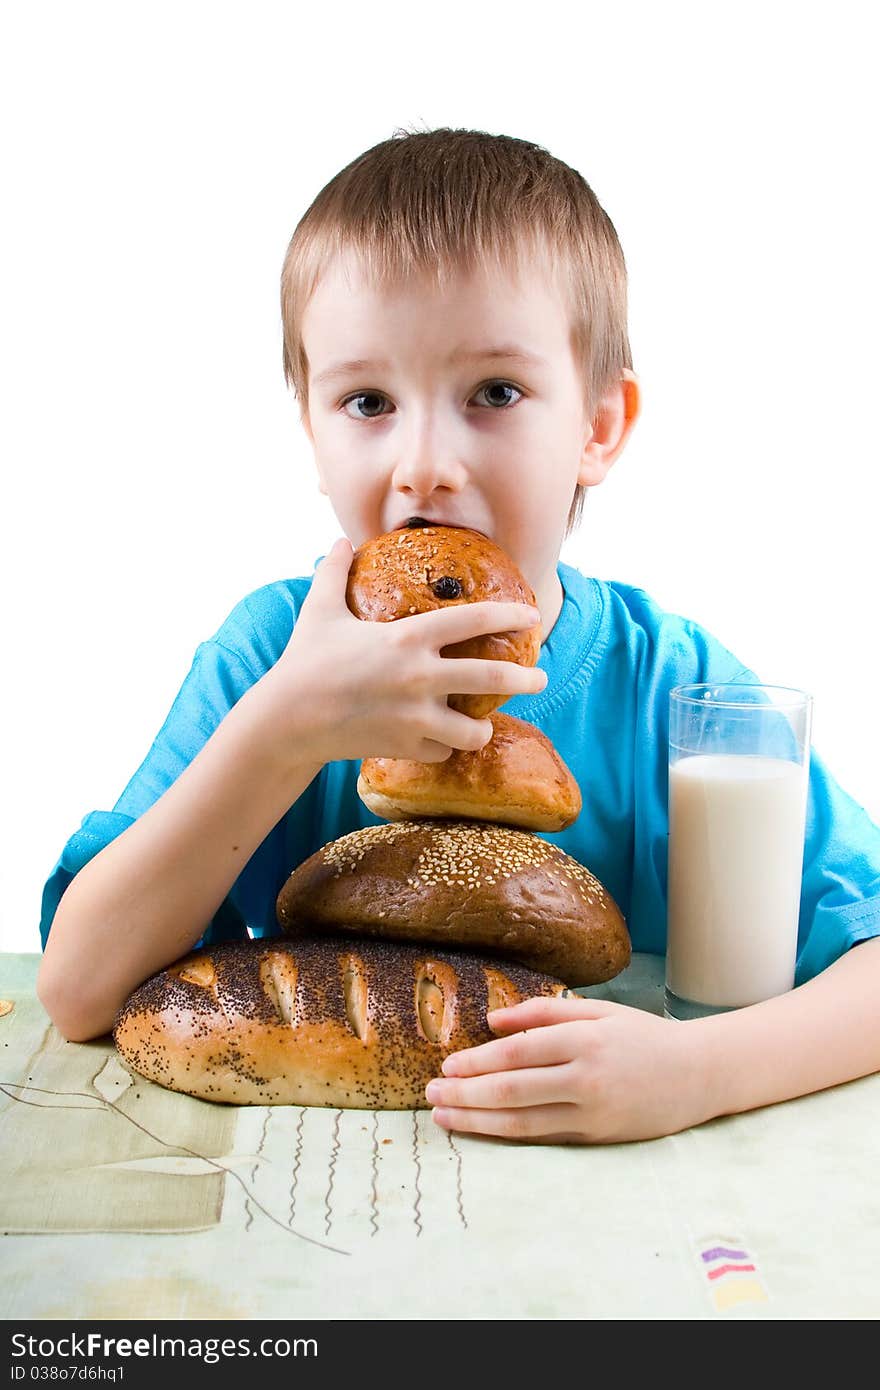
(348,850)
(466,853)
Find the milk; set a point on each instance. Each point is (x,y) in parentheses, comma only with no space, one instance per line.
(736,848)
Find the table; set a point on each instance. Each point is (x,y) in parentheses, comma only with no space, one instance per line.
(120,1199)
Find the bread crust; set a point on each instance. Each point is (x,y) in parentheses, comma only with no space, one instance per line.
(517,778)
(405,572)
(330,1021)
(462,884)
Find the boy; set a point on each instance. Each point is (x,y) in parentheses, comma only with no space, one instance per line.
(454,310)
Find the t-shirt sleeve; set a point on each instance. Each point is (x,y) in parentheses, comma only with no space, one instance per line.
(840,896)
(222,670)
(216,680)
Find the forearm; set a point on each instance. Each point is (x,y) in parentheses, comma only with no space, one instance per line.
(147,898)
(824,1032)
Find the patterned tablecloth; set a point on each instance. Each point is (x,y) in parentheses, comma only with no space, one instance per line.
(119,1199)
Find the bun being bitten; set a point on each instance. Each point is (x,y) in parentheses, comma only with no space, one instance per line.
(415,571)
(332,1021)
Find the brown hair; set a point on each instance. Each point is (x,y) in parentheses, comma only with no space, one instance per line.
(443,201)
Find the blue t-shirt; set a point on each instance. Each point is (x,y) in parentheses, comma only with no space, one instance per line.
(611,661)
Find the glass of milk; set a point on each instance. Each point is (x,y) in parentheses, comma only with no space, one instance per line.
(739,758)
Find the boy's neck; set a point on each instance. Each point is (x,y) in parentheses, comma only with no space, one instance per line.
(550,598)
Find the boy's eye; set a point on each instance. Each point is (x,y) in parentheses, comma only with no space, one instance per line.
(368,404)
(498,386)
(370,398)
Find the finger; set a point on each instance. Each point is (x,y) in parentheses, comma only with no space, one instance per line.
(429,751)
(488,677)
(458,621)
(331,575)
(503,1090)
(541,1123)
(460,730)
(543,1010)
(539,1047)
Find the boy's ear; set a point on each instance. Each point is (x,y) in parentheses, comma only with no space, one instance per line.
(611,426)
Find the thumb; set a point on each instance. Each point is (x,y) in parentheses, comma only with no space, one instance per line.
(331,575)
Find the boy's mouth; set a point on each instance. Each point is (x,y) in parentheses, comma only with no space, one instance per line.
(413,523)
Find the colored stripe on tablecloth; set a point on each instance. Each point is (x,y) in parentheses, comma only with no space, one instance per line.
(736,1291)
(727,1269)
(733,1277)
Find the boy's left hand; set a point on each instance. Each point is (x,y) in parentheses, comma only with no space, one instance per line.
(585,1071)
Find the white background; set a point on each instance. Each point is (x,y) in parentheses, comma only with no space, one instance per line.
(156,158)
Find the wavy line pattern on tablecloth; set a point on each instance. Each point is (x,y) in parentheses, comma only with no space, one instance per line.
(374,1210)
(247,1206)
(458,1190)
(415,1154)
(331,1172)
(297,1160)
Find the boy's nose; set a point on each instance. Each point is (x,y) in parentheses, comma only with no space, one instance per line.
(426,464)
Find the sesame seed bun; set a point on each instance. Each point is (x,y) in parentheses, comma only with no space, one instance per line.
(462,884)
(416,571)
(517,778)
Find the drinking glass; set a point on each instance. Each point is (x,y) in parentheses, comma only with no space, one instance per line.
(739,759)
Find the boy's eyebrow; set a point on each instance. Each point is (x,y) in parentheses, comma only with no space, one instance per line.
(509,352)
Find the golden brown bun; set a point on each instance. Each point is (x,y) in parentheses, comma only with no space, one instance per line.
(414,571)
(462,884)
(517,778)
(332,1021)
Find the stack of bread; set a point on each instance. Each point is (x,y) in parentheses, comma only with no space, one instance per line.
(398,937)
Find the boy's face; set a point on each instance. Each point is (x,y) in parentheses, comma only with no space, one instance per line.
(426,423)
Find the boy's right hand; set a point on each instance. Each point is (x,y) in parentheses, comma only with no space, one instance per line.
(345,688)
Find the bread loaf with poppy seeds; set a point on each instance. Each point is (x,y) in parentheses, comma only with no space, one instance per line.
(330,1021)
